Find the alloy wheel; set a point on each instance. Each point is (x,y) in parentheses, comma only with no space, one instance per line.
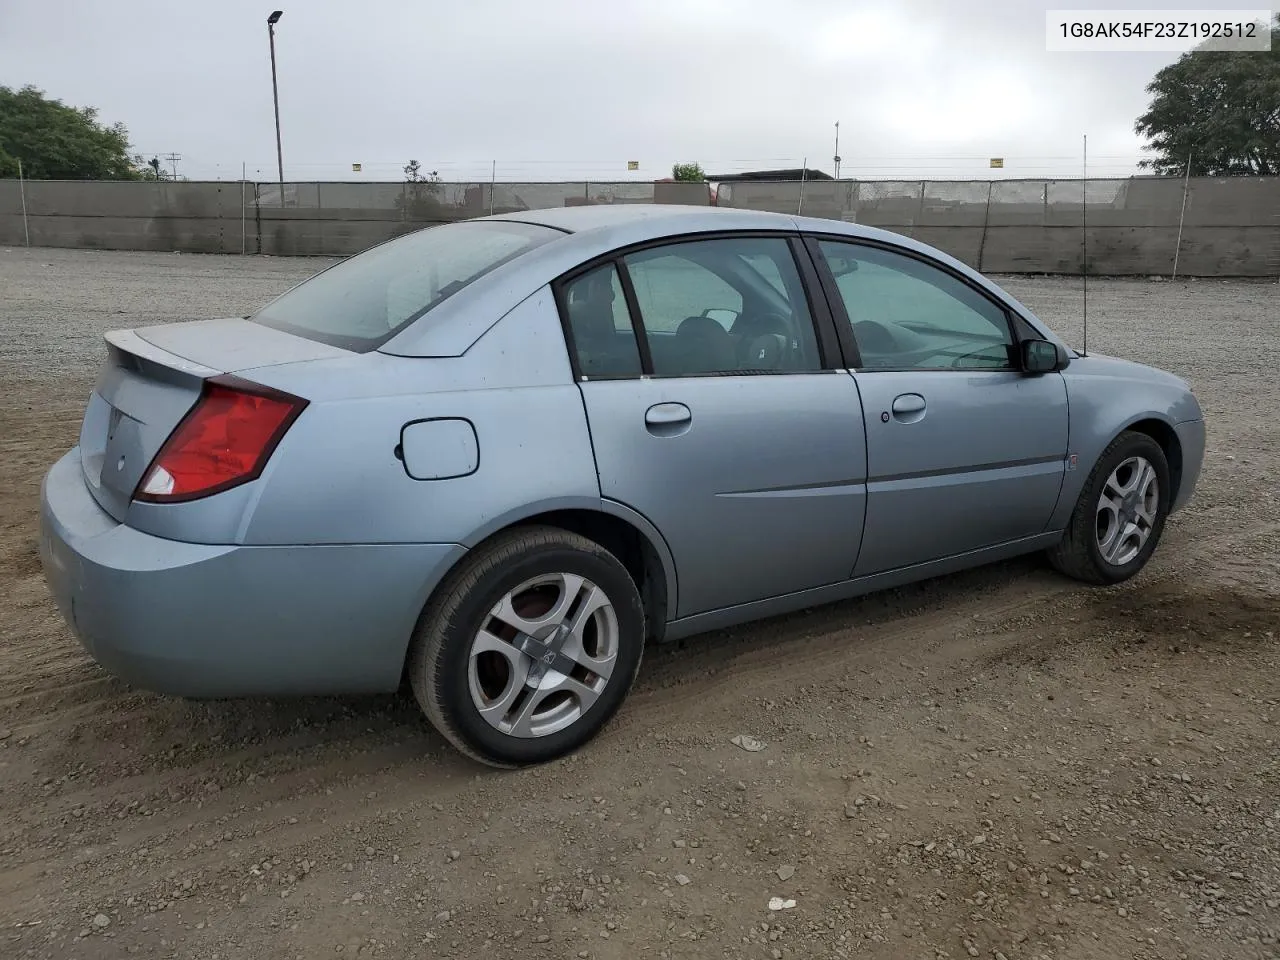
(1126,512)
(543,656)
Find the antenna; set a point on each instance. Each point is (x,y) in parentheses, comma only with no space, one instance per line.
(1084,248)
(804,169)
(1186,183)
(837,156)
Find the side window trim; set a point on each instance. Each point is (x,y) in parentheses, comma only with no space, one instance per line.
(844,328)
(846,347)
(827,330)
(637,316)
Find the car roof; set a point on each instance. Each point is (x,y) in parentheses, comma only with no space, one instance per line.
(657,218)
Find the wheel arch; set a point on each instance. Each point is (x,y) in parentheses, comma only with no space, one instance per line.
(624,532)
(1092,437)
(650,566)
(1163,433)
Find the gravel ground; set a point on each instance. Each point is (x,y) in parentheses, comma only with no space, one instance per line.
(1000,764)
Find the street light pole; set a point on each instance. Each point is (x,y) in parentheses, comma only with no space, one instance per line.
(837,156)
(275,94)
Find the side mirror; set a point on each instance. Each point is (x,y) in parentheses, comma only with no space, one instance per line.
(842,266)
(1039,356)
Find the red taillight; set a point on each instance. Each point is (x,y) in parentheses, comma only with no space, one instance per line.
(223,441)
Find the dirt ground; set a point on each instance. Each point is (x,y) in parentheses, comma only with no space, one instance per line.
(1000,764)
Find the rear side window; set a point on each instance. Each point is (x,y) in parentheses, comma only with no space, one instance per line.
(726,306)
(600,324)
(364,301)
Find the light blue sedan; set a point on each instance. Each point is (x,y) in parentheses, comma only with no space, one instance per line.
(494,458)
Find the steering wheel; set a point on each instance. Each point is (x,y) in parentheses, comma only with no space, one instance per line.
(751,326)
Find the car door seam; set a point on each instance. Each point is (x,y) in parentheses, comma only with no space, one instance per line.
(1066,454)
(591,440)
(866,471)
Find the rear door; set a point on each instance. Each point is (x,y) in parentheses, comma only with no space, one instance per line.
(713,414)
(964,451)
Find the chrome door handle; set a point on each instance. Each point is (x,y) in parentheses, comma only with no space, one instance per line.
(668,420)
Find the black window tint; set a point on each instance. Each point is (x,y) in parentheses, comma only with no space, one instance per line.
(908,314)
(600,324)
(723,306)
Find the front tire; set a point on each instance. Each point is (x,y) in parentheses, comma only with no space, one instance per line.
(529,647)
(1118,520)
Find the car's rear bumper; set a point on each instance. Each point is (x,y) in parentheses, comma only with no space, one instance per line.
(1191,439)
(224,621)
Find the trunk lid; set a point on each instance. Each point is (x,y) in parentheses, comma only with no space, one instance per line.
(151,378)
(234,344)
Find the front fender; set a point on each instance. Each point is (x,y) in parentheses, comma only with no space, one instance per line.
(1105,397)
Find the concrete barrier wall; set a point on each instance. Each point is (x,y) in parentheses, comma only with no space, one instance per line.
(1230,226)
(195,217)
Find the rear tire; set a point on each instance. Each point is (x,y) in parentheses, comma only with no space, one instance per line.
(483,661)
(1120,515)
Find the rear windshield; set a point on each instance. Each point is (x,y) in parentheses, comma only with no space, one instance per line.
(363,301)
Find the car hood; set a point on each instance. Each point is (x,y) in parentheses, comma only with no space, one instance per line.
(234,345)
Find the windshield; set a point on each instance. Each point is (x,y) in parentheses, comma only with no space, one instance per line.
(362,302)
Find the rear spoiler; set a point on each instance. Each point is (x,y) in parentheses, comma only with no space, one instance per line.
(127,350)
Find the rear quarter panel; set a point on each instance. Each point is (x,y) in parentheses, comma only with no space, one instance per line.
(1106,396)
(336,477)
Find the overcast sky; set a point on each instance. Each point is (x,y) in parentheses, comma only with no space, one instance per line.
(567,89)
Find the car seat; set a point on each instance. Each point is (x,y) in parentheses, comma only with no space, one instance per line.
(704,346)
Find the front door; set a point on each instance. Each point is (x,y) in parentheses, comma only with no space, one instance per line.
(712,415)
(963,450)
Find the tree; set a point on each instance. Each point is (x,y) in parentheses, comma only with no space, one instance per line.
(1221,108)
(151,169)
(421,197)
(58,142)
(8,165)
(413,173)
(688,173)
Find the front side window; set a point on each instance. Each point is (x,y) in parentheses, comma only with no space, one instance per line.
(723,306)
(909,315)
(365,300)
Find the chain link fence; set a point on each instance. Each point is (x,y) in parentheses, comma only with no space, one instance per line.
(1139,226)
(1206,226)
